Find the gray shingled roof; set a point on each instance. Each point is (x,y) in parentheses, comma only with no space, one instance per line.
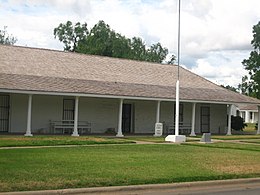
(248,107)
(23,68)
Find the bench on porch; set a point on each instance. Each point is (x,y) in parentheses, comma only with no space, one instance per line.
(67,126)
(184,128)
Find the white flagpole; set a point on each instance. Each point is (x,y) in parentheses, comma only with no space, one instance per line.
(177,137)
(178,77)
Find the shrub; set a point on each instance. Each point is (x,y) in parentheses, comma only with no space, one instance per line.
(237,123)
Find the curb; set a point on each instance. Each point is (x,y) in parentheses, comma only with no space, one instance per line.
(117,189)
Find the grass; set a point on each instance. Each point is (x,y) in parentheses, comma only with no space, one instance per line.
(252,141)
(146,139)
(235,137)
(250,127)
(14,141)
(43,140)
(157,139)
(110,165)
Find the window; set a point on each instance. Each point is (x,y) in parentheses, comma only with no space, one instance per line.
(205,119)
(68,110)
(4,112)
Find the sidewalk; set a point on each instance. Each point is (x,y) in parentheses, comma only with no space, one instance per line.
(138,189)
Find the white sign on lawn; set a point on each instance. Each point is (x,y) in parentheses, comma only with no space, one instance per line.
(158,129)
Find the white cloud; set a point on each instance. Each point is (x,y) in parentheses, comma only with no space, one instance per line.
(222,67)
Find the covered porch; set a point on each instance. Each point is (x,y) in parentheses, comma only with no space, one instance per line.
(42,113)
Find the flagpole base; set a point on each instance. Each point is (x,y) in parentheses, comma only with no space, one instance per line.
(176,138)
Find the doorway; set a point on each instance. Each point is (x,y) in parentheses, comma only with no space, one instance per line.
(126,118)
(205,119)
(4,113)
(68,110)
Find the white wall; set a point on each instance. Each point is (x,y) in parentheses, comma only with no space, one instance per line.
(166,114)
(218,118)
(145,116)
(44,110)
(18,113)
(103,113)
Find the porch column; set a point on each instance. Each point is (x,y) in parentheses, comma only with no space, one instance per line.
(258,127)
(120,111)
(158,130)
(29,116)
(158,112)
(247,116)
(75,130)
(193,120)
(229,120)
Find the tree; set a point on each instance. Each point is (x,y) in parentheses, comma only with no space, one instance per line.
(251,84)
(138,50)
(156,53)
(102,40)
(237,123)
(71,35)
(230,88)
(247,87)
(172,59)
(7,39)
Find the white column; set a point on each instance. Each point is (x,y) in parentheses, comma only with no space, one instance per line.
(229,120)
(253,117)
(29,116)
(158,128)
(158,112)
(75,130)
(258,128)
(193,120)
(247,116)
(120,111)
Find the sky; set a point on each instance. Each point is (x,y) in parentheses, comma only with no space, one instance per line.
(215,34)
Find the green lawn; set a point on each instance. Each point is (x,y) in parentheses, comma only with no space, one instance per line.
(8,141)
(156,139)
(235,137)
(250,127)
(109,165)
(253,141)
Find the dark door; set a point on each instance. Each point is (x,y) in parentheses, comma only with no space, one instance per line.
(205,119)
(68,110)
(4,113)
(126,118)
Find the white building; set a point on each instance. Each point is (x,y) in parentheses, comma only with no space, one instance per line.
(249,113)
(46,91)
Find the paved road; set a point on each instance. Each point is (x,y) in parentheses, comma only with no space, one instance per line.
(234,189)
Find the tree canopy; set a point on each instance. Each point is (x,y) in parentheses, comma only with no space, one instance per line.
(251,83)
(7,39)
(71,35)
(102,40)
(229,87)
